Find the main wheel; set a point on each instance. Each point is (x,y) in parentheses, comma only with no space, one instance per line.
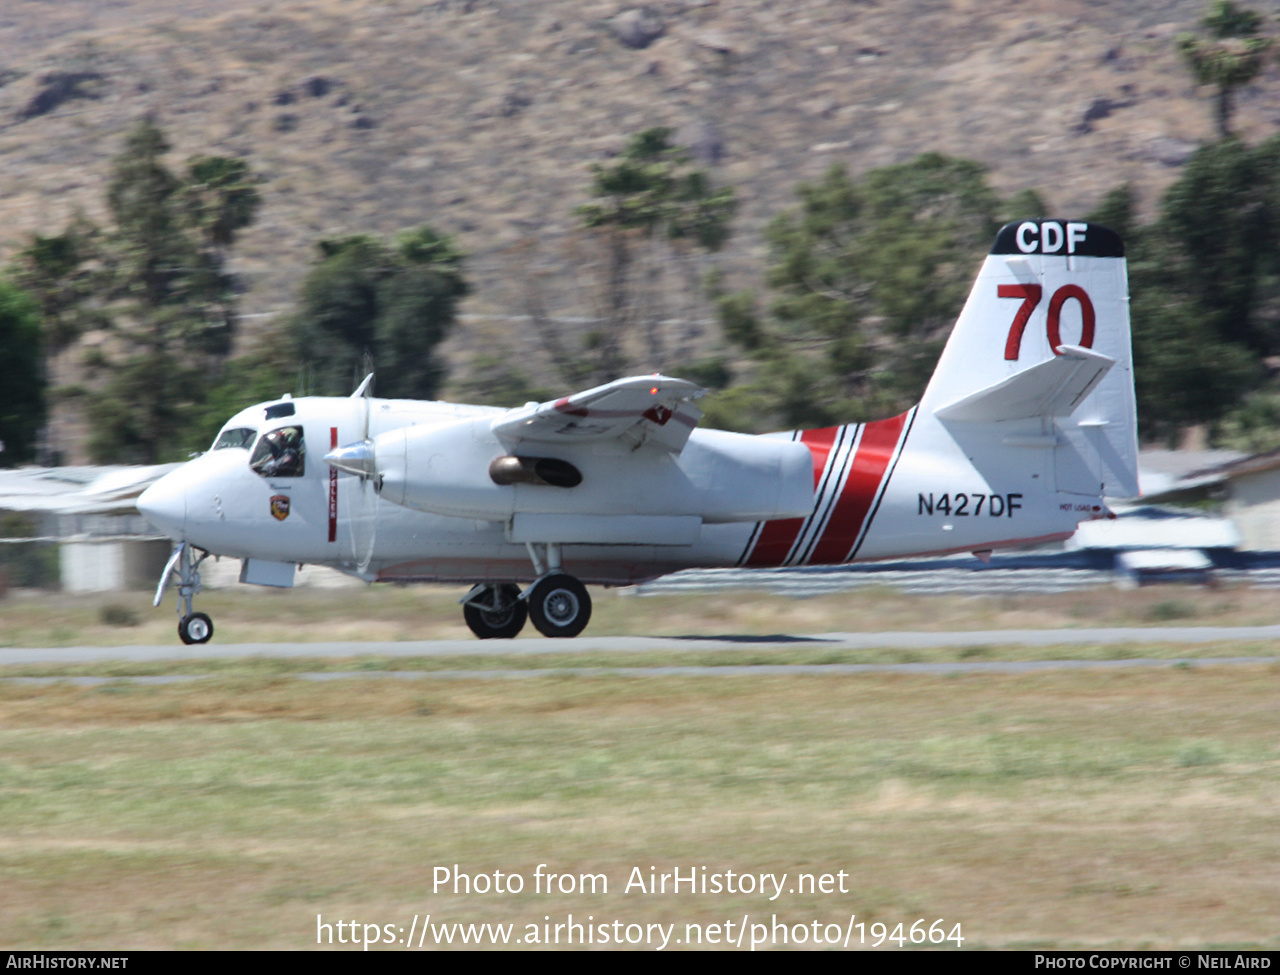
(499,624)
(196,628)
(559,605)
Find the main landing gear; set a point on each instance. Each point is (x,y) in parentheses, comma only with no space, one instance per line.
(495,612)
(192,627)
(558,604)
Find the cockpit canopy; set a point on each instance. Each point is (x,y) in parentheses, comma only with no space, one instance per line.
(281,452)
(235,437)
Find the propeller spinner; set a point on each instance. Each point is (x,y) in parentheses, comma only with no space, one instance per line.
(358,458)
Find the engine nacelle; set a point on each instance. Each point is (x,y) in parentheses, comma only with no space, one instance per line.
(463,470)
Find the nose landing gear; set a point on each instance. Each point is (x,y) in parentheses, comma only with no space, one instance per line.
(195,628)
(192,627)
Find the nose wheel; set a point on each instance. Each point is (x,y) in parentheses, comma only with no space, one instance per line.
(195,628)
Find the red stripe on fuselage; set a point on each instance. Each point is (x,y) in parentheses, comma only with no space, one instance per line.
(333,488)
(777,537)
(875,450)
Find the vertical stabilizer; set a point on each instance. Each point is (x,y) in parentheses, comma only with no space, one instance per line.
(1041,352)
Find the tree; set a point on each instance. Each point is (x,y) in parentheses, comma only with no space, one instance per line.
(1184,373)
(392,303)
(1221,221)
(648,233)
(21,378)
(157,281)
(59,271)
(171,238)
(219,198)
(868,278)
(1254,426)
(170,296)
(1202,298)
(651,209)
(1229,59)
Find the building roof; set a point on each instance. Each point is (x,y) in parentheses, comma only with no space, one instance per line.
(1170,475)
(1255,464)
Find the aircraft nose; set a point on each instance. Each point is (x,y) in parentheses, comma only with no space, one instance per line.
(164,504)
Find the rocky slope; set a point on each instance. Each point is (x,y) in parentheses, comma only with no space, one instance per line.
(483,116)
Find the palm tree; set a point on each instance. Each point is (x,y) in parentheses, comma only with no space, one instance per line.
(1231,58)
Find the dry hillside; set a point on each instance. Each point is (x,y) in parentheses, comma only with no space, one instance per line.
(483,116)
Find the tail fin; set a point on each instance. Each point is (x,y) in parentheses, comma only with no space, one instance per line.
(1042,349)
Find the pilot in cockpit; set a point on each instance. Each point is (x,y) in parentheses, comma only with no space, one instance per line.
(280,453)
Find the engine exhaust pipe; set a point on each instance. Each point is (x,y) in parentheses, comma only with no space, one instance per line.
(547,471)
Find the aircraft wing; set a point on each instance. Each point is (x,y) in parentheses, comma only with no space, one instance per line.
(639,410)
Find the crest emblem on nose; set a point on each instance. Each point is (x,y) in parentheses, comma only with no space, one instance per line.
(280,507)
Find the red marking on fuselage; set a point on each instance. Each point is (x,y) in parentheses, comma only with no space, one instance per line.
(777,537)
(333,488)
(875,450)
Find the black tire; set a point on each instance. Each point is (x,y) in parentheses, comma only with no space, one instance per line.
(559,605)
(196,628)
(500,624)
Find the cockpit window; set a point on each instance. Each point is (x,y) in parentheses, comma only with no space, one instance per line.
(235,437)
(280,453)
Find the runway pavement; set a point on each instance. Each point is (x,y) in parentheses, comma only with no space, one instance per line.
(1189,635)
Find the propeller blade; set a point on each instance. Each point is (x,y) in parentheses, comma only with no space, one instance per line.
(361,459)
(365,391)
(372,528)
(363,388)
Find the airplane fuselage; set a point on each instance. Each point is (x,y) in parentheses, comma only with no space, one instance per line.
(866,497)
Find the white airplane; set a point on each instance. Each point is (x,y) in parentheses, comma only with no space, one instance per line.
(1026,425)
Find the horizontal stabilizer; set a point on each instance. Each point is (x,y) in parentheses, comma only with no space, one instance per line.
(1054,387)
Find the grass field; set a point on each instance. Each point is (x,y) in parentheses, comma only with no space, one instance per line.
(1064,809)
(1067,809)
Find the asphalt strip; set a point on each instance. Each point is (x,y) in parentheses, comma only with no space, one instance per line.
(826,641)
(907,640)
